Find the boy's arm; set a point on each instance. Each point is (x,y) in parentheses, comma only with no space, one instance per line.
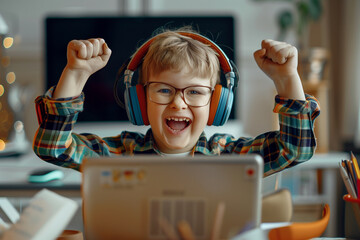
(279,61)
(58,109)
(293,144)
(84,57)
(56,143)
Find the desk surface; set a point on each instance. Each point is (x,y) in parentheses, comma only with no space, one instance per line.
(325,160)
(15,170)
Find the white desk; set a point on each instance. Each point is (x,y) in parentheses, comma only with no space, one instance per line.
(15,170)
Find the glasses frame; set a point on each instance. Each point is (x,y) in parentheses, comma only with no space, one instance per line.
(182,93)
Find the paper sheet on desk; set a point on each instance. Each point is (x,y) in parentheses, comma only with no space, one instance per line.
(45,217)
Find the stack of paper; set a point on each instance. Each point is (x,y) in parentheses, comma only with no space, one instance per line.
(350,172)
(45,217)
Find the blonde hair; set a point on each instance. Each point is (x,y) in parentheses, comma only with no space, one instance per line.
(173,51)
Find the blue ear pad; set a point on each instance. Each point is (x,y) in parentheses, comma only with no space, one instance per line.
(128,105)
(135,106)
(221,107)
(228,107)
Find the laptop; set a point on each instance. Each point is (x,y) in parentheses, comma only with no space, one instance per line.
(152,197)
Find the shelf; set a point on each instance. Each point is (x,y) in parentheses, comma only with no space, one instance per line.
(309,199)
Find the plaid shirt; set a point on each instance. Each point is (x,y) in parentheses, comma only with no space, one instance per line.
(55,142)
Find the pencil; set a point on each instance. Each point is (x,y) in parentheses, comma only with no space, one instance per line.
(350,172)
(347,182)
(357,171)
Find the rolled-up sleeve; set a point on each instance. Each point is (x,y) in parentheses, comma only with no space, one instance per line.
(54,141)
(293,143)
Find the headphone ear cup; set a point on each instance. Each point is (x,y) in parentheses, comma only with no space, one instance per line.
(128,105)
(133,105)
(221,104)
(141,96)
(228,105)
(215,99)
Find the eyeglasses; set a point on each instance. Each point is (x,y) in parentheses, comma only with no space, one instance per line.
(194,96)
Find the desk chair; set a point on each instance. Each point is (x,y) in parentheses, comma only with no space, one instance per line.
(277,206)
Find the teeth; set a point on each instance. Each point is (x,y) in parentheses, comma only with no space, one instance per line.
(178,119)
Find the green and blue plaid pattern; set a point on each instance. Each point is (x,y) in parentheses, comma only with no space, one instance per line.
(55,142)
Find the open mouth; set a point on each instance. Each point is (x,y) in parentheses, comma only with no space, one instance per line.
(178,124)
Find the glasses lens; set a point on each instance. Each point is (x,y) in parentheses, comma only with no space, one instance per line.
(161,93)
(196,96)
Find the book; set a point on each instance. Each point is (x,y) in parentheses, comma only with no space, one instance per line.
(7,211)
(45,217)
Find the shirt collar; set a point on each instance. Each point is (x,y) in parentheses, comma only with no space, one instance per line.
(201,145)
(150,146)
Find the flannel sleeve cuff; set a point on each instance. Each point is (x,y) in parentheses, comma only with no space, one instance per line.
(293,107)
(61,106)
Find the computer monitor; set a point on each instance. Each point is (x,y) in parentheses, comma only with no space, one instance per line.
(123,35)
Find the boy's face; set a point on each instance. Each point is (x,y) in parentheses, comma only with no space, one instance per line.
(177,126)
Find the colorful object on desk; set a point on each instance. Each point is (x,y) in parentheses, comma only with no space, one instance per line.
(347,181)
(289,231)
(302,230)
(355,203)
(356,172)
(350,172)
(348,198)
(45,175)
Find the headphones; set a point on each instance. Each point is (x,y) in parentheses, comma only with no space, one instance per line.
(135,98)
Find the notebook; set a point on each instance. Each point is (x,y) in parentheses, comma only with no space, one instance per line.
(152,197)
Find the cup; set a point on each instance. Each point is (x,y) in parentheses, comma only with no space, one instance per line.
(352,216)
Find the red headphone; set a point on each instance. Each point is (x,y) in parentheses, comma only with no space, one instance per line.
(221,100)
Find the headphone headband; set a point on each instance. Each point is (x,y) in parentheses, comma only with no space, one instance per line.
(141,52)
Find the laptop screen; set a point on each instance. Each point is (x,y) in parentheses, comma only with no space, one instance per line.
(152,197)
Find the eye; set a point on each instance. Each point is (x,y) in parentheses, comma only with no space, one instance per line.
(164,90)
(161,89)
(193,91)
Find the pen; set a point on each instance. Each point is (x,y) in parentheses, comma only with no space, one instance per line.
(350,173)
(357,171)
(347,181)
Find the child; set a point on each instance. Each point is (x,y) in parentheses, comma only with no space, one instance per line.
(179,74)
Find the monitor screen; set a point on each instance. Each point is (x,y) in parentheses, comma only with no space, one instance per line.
(123,35)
